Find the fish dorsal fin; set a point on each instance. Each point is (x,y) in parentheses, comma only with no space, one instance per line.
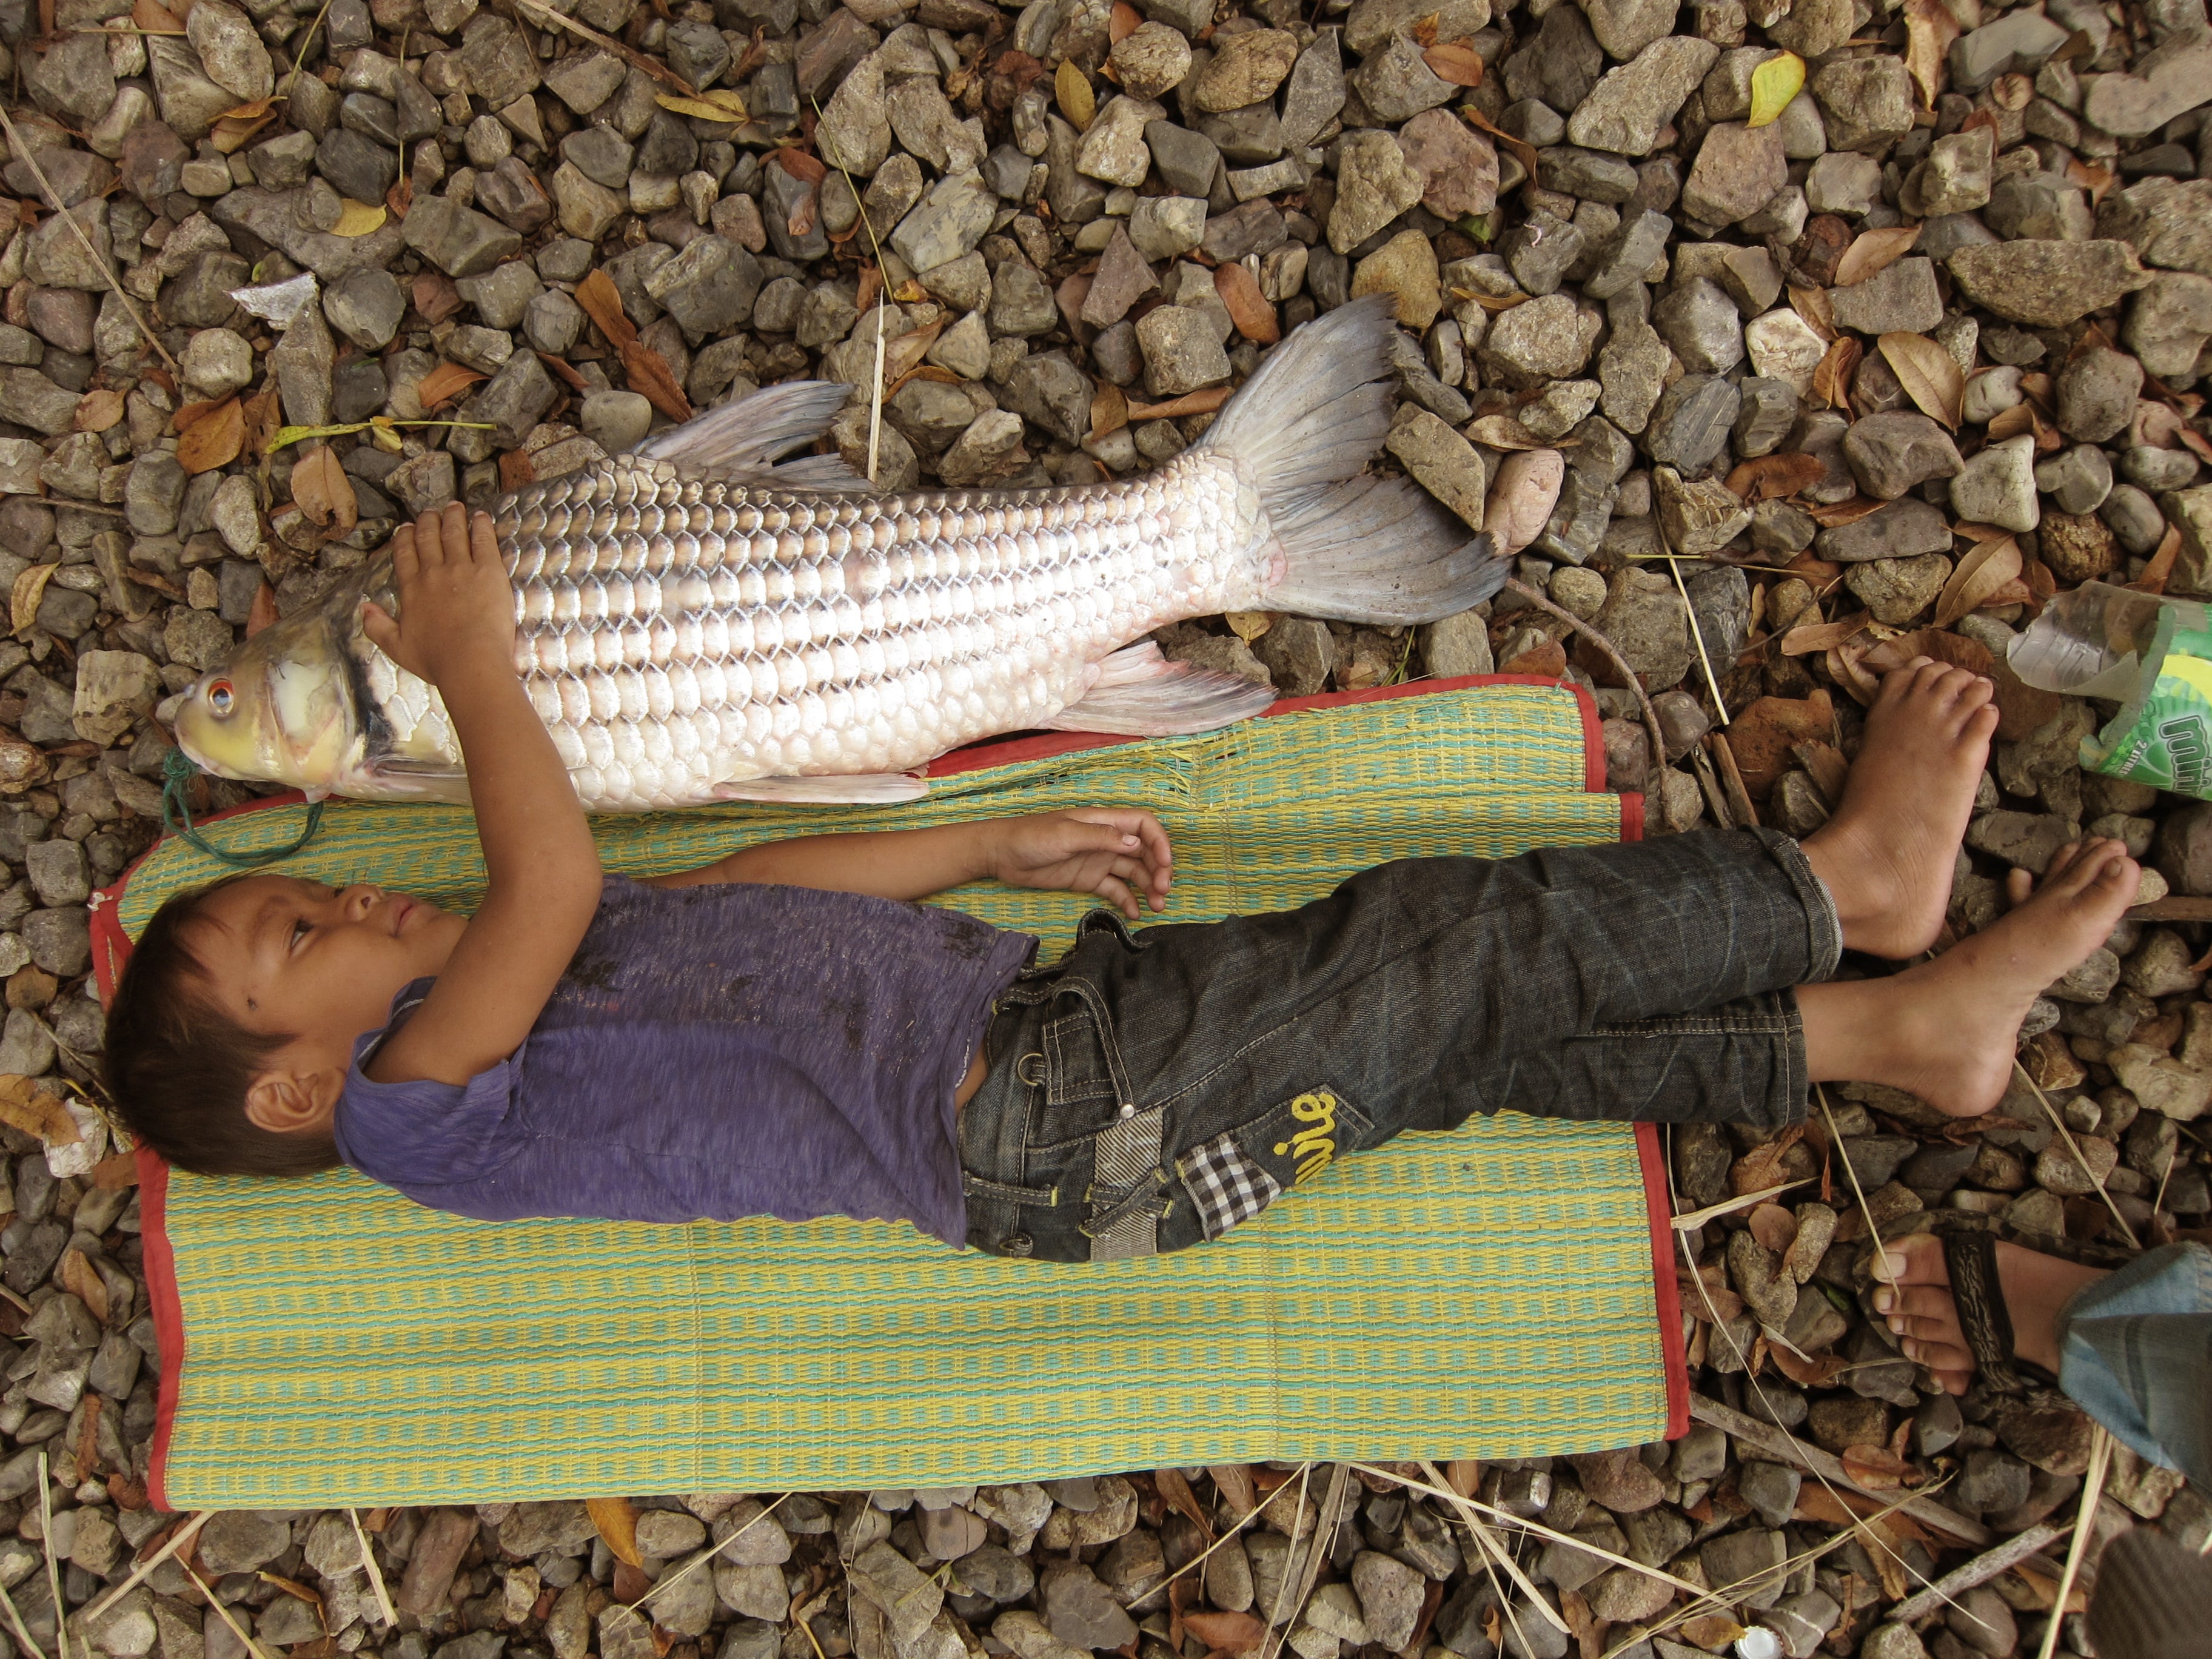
(744,438)
(1138,693)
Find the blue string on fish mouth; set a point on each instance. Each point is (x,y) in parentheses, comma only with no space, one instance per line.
(177,773)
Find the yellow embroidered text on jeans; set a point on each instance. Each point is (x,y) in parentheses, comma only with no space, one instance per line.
(1315,1145)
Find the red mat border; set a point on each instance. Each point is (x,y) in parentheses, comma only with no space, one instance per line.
(111,949)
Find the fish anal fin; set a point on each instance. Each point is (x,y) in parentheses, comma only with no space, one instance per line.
(880,788)
(1138,693)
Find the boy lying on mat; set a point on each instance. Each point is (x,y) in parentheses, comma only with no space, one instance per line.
(783,1033)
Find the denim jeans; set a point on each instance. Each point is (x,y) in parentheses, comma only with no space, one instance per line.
(1152,1089)
(2134,1351)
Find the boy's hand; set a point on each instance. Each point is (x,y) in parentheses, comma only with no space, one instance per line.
(455,602)
(1120,854)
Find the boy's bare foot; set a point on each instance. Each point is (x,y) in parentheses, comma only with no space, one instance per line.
(1945,1029)
(1887,855)
(1920,1312)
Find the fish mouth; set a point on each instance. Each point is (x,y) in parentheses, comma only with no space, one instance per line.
(280,711)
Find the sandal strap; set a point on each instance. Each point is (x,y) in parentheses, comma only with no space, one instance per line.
(1972,1258)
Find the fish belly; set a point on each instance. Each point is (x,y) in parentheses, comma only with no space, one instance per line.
(676,633)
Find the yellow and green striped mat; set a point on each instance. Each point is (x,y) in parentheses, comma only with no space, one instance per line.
(1488,1293)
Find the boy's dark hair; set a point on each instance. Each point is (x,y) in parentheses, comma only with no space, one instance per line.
(179,1067)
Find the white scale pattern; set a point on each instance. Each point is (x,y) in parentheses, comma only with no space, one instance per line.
(676,633)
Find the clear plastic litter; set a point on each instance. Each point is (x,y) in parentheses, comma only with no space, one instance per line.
(2151,655)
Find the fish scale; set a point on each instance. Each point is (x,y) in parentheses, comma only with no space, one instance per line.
(704,621)
(676,632)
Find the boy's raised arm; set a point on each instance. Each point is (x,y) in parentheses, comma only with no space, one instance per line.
(456,629)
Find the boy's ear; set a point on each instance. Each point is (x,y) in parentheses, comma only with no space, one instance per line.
(294,1102)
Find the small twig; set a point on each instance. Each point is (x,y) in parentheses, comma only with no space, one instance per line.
(375,1573)
(223,1610)
(53,196)
(2085,1522)
(1289,1559)
(1698,637)
(637,60)
(53,1566)
(1866,1210)
(177,1541)
(2075,1147)
(1651,725)
(882,296)
(15,1622)
(1979,1570)
(1488,1539)
(1698,1217)
(706,1555)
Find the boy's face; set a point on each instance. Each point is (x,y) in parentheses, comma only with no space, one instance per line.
(320,964)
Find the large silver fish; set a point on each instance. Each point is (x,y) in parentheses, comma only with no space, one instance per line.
(696,623)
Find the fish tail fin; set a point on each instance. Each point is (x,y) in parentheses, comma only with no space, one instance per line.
(1357,548)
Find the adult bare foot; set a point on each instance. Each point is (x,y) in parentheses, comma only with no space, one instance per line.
(1946,1029)
(1887,855)
(1923,1315)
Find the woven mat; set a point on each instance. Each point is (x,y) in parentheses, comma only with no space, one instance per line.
(1491,1293)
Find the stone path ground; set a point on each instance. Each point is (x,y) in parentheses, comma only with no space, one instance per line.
(1895,312)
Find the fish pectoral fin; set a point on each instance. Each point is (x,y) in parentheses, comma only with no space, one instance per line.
(877,789)
(1138,693)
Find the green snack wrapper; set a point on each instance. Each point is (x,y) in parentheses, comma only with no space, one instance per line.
(2151,655)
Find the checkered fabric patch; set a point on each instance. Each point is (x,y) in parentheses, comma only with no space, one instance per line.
(1226,1186)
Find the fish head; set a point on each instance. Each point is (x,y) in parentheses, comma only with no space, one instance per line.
(282,710)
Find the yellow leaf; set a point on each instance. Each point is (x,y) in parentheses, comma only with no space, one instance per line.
(702,107)
(1930,375)
(357,219)
(1773,84)
(1073,87)
(23,605)
(617,1520)
(1247,625)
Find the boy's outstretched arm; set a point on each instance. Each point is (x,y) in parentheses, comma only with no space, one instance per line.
(456,629)
(1121,854)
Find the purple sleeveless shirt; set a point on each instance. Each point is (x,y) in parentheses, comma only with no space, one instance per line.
(711,1053)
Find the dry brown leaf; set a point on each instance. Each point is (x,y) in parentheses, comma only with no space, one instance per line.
(1249,625)
(1171,1486)
(1110,409)
(1938,643)
(1816,309)
(807,169)
(321,490)
(25,1106)
(1817,1371)
(1847,667)
(1876,1467)
(1504,432)
(155,18)
(23,599)
(2096,179)
(83,1280)
(1930,375)
(2160,570)
(214,439)
(649,374)
(116,1171)
(617,1520)
(1930,29)
(1070,87)
(1988,566)
(1773,1226)
(1874,252)
(1831,378)
(1248,308)
(1715,1630)
(1191,403)
(435,297)
(1227,1632)
(602,303)
(1456,62)
(1124,21)
(516,470)
(1823,636)
(1237,1484)
(98,409)
(1834,515)
(1522,151)
(903,353)
(1771,478)
(444,382)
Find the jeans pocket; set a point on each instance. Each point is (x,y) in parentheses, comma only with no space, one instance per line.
(1236,1174)
(1074,1079)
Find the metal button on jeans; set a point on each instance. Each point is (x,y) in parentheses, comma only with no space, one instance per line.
(1128,1111)
(1017,1244)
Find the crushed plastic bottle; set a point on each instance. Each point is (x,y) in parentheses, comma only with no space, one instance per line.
(2151,655)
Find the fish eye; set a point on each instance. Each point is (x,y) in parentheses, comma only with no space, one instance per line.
(222,698)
